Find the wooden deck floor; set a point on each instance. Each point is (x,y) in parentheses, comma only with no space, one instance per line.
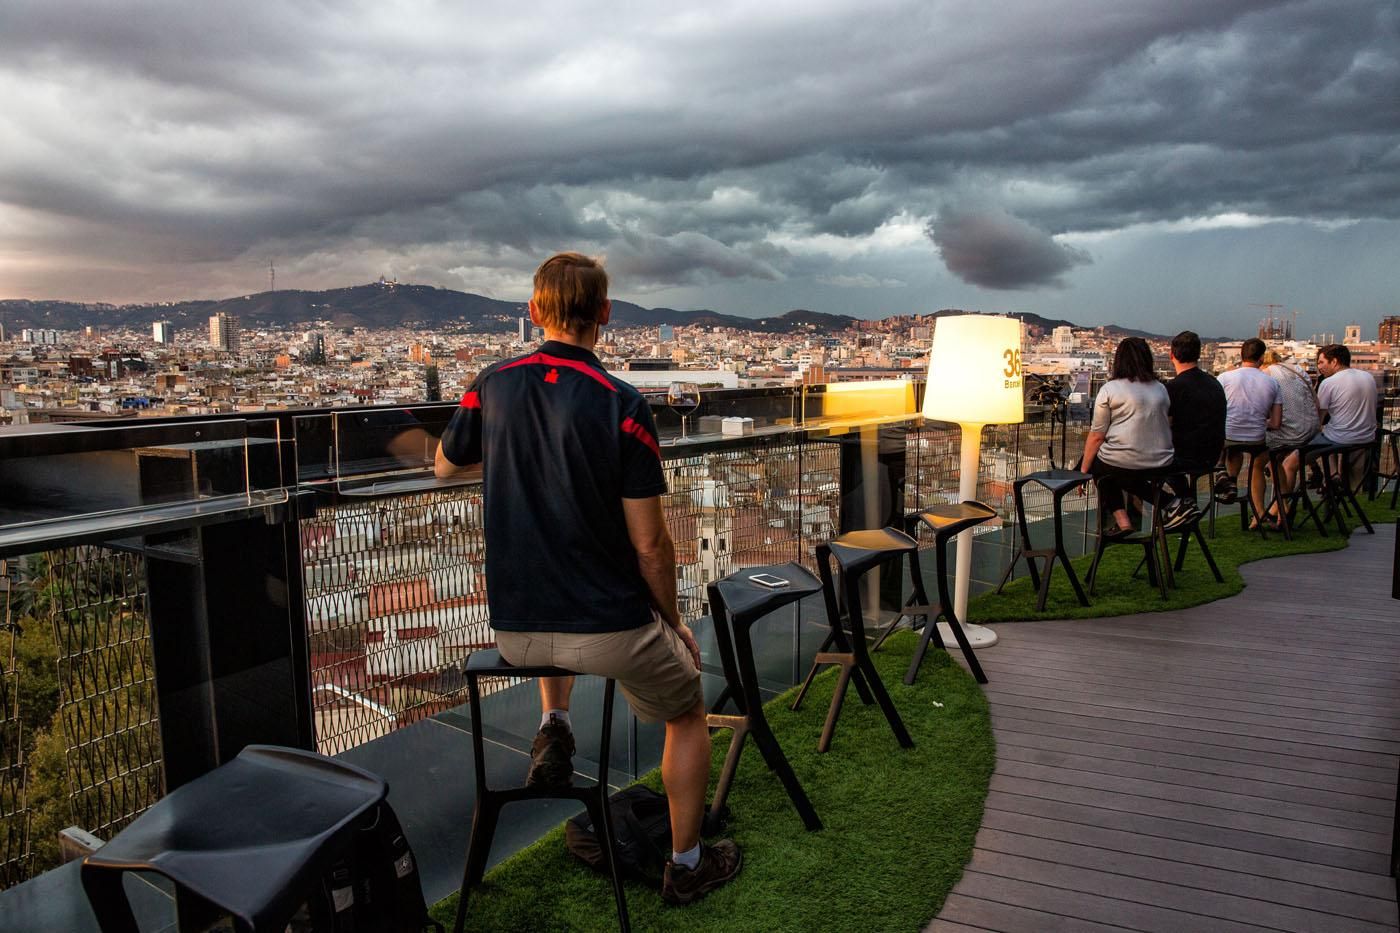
(1229,767)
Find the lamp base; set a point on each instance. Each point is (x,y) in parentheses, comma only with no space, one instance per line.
(979,636)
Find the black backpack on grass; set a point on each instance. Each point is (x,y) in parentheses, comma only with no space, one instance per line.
(641,829)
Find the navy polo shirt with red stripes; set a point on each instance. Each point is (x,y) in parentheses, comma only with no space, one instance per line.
(561,443)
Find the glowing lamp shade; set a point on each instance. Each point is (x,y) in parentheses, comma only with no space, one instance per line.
(974,379)
(974,371)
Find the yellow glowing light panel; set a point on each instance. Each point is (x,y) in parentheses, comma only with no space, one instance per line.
(974,371)
(882,399)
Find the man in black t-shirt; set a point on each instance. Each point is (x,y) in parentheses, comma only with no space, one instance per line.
(1197,413)
(580,566)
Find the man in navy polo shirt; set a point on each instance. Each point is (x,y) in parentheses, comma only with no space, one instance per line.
(580,566)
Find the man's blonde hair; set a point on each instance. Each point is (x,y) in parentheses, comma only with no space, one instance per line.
(570,292)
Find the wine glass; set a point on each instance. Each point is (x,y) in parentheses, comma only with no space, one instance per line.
(683,398)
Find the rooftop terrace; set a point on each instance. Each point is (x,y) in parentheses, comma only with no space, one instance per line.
(1182,767)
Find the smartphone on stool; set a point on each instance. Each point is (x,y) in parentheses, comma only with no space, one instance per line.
(768,580)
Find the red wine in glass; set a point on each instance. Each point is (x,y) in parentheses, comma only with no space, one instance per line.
(683,398)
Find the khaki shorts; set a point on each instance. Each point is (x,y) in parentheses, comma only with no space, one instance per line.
(651,664)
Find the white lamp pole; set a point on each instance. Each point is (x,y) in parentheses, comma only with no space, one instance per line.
(974,380)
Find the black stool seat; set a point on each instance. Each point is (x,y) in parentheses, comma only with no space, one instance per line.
(954,517)
(1059,483)
(736,603)
(947,522)
(490,801)
(1056,480)
(855,553)
(253,837)
(858,551)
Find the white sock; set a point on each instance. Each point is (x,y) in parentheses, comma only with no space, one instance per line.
(689,859)
(558,715)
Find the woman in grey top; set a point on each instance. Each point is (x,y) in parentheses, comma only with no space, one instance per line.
(1130,436)
(1299,426)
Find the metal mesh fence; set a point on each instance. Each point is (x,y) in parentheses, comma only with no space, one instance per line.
(753,505)
(14,807)
(106,680)
(395,601)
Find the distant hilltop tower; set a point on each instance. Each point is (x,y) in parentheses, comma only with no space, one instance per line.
(223,333)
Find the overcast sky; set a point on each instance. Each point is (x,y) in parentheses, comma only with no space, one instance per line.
(1155,164)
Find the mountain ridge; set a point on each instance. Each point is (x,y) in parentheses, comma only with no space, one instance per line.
(389,304)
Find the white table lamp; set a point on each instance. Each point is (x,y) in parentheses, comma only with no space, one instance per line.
(974,379)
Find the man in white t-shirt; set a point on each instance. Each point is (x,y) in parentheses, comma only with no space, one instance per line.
(1346,403)
(1252,407)
(1346,399)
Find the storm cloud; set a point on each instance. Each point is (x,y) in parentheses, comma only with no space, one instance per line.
(995,250)
(727,156)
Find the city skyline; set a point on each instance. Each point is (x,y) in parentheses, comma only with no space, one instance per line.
(1156,167)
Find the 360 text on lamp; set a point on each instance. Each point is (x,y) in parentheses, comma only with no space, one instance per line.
(974,379)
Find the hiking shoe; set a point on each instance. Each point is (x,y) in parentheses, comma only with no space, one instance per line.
(1225,491)
(551,757)
(719,863)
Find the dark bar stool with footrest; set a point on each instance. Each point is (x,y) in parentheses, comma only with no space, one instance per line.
(736,603)
(1059,483)
(1389,439)
(1158,570)
(1251,452)
(1287,502)
(1338,493)
(489,801)
(253,838)
(855,553)
(946,522)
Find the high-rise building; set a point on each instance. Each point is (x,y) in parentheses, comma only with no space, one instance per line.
(1062,339)
(163,332)
(223,332)
(522,332)
(1389,332)
(2,333)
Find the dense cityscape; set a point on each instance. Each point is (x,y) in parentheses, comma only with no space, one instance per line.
(47,374)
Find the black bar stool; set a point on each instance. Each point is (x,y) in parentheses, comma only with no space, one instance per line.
(489,802)
(1389,438)
(253,838)
(1192,530)
(855,553)
(1059,483)
(736,603)
(1158,572)
(1250,452)
(946,522)
(1287,501)
(1338,494)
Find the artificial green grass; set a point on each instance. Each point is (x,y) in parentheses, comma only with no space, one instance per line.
(899,824)
(1118,593)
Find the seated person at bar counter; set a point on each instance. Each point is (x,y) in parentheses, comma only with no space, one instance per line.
(580,566)
(1129,438)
